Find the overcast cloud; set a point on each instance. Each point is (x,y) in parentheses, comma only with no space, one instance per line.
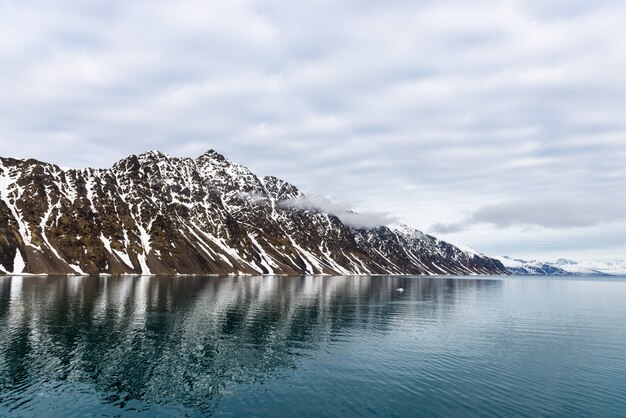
(502,121)
(547,213)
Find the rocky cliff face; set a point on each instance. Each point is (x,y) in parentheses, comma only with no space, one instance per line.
(157,214)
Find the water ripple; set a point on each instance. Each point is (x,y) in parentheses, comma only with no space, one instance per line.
(314,346)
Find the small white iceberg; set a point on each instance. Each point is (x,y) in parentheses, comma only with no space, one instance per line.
(400,290)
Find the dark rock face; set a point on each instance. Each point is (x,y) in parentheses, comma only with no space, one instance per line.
(157,214)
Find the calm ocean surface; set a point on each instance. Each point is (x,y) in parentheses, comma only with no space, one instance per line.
(312,346)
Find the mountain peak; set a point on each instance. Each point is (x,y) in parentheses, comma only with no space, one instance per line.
(402,228)
(226,175)
(280,189)
(213,155)
(153,155)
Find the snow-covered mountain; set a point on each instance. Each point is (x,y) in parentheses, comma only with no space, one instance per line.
(531,267)
(609,268)
(563,267)
(157,214)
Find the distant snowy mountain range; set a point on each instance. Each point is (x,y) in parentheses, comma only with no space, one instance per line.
(563,267)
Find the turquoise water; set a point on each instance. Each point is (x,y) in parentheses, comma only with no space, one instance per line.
(312,346)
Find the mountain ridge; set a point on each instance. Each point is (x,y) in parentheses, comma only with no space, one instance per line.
(157,214)
(562,267)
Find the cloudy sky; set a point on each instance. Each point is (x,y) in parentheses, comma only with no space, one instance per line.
(501,124)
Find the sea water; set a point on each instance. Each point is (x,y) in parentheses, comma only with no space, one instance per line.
(312,346)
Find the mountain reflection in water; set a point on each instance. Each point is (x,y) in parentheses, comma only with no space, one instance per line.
(202,345)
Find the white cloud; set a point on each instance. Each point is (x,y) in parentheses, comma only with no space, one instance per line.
(430,110)
(342,211)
